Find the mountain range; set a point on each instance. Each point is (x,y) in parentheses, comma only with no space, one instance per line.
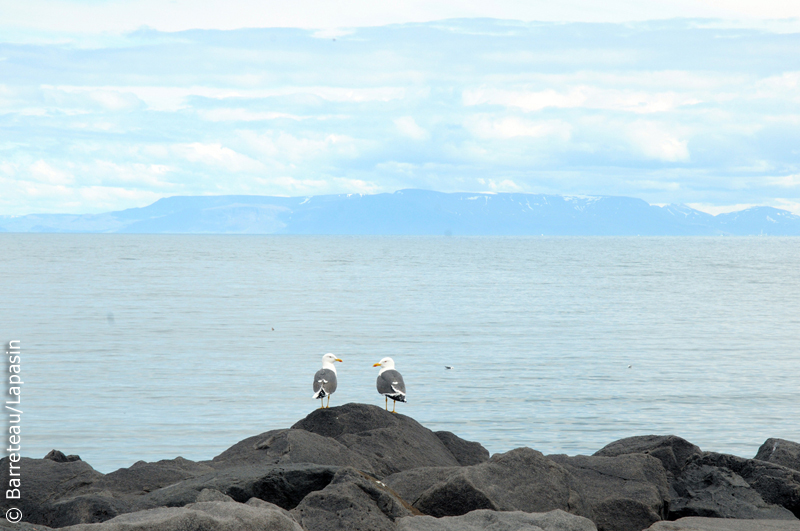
(414,212)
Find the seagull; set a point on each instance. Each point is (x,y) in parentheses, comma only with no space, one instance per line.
(390,383)
(448,366)
(325,379)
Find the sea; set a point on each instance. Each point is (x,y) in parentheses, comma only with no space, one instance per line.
(149,347)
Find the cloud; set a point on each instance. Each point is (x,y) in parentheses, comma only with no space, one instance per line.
(787,181)
(580,97)
(490,127)
(653,141)
(616,109)
(406,126)
(284,147)
(43,172)
(243,115)
(218,156)
(106,17)
(506,185)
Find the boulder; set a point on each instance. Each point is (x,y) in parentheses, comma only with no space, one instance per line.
(780,452)
(142,477)
(59,457)
(718,492)
(519,480)
(85,508)
(284,486)
(208,516)
(353,501)
(410,484)
(483,520)
(673,452)
(22,526)
(775,483)
(282,447)
(466,452)
(626,493)
(695,523)
(389,441)
(46,481)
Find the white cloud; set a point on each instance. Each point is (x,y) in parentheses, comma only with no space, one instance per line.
(579,97)
(243,115)
(655,142)
(42,172)
(281,146)
(217,155)
(178,15)
(174,98)
(788,181)
(135,174)
(356,185)
(407,126)
(487,126)
(506,185)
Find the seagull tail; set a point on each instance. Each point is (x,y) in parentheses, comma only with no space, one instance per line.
(320,394)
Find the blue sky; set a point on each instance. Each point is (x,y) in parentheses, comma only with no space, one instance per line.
(110,105)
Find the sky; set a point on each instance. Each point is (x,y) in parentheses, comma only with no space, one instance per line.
(107,105)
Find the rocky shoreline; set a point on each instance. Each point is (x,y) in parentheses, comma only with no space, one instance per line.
(358,467)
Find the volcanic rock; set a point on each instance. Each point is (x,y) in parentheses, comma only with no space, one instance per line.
(483,520)
(695,523)
(673,452)
(519,480)
(466,452)
(208,516)
(718,492)
(780,452)
(282,447)
(353,501)
(776,484)
(626,492)
(389,441)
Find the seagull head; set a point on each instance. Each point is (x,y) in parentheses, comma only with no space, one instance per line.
(385,363)
(328,359)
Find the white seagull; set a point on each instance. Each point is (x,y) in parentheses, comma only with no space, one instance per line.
(390,383)
(325,379)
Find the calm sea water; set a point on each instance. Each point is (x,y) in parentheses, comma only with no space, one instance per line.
(149,347)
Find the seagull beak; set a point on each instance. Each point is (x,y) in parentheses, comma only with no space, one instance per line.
(337,359)
(377,365)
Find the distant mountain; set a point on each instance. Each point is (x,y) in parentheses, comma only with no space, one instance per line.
(415,212)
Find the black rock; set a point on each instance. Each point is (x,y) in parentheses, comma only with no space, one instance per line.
(44,482)
(718,492)
(143,477)
(390,442)
(466,452)
(484,520)
(673,452)
(254,515)
(775,483)
(283,447)
(59,457)
(353,501)
(627,493)
(780,452)
(410,484)
(85,509)
(284,486)
(519,480)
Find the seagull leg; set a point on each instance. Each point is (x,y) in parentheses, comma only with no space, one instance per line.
(329,402)
(320,403)
(394,405)
(387,403)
